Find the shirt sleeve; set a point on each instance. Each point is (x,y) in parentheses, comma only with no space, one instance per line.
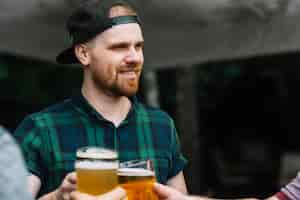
(292,189)
(178,161)
(27,134)
(281,196)
(12,170)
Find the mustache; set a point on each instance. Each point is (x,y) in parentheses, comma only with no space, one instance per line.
(130,69)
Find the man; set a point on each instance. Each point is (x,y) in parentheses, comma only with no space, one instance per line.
(107,41)
(12,170)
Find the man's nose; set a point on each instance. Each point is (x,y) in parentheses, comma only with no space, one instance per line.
(134,56)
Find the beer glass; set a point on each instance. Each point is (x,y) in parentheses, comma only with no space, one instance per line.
(137,178)
(96,170)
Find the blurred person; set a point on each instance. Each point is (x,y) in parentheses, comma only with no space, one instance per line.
(168,193)
(12,170)
(116,194)
(291,191)
(107,41)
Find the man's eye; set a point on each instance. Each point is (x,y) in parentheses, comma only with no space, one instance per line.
(139,46)
(119,46)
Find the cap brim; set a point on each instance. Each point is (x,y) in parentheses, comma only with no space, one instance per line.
(67,57)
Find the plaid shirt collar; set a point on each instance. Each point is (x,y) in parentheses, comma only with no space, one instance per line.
(83,106)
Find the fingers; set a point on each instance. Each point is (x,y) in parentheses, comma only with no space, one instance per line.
(162,191)
(81,196)
(67,186)
(116,194)
(69,183)
(72,178)
(167,193)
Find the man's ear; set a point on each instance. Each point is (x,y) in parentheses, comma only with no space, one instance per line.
(82,54)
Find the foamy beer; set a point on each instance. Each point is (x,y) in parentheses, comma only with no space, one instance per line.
(138,183)
(96,170)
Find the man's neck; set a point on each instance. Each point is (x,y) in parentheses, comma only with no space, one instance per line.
(112,108)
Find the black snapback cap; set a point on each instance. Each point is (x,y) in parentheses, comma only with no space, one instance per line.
(90,19)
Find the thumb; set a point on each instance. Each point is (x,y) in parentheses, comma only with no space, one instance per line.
(162,191)
(71,177)
(116,194)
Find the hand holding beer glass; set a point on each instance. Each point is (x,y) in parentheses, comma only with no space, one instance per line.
(96,170)
(137,178)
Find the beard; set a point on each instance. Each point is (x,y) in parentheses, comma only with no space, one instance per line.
(125,89)
(117,85)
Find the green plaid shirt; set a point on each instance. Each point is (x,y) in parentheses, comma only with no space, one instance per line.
(49,139)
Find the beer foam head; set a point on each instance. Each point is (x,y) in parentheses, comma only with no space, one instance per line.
(96,153)
(96,164)
(135,172)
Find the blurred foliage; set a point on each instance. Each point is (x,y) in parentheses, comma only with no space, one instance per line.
(36,82)
(166,79)
(3,70)
(216,75)
(29,85)
(211,78)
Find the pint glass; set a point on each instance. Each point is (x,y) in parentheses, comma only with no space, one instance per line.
(96,170)
(137,178)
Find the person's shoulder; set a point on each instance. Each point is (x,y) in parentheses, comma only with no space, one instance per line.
(6,139)
(51,114)
(57,109)
(3,132)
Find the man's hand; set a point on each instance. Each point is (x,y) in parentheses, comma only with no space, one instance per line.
(168,193)
(116,194)
(68,185)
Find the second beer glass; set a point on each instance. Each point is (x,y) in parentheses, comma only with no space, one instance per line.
(137,178)
(96,170)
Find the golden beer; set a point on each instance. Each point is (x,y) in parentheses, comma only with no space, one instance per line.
(96,170)
(138,183)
